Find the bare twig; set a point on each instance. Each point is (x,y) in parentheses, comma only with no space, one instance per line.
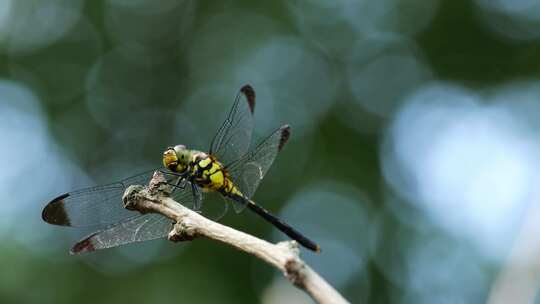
(190,225)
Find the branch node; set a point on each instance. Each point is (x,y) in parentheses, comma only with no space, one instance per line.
(183,231)
(132,198)
(295,272)
(158,185)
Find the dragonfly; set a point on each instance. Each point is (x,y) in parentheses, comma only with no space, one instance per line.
(229,168)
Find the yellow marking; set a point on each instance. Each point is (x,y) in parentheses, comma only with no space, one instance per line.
(217,179)
(213,176)
(204,163)
(235,190)
(215,168)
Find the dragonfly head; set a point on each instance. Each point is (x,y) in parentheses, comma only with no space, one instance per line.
(177,158)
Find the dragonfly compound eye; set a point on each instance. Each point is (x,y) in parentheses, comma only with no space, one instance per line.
(170,160)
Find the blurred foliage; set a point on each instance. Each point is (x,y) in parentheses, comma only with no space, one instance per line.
(104,86)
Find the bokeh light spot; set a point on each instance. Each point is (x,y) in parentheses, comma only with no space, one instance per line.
(471,167)
(314,211)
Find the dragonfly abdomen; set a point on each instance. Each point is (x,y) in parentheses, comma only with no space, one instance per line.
(277,222)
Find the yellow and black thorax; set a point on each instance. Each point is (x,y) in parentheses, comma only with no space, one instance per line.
(208,173)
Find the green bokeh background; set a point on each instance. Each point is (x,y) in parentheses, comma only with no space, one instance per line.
(125,80)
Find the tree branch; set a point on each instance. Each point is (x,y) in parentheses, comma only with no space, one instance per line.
(155,198)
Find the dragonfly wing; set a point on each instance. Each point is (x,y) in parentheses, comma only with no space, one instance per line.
(248,171)
(233,138)
(140,228)
(99,205)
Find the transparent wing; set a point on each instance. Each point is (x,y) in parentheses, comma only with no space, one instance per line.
(248,171)
(234,136)
(102,204)
(140,228)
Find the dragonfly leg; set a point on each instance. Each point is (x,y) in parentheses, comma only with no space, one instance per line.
(181,179)
(197,197)
(180,184)
(185,174)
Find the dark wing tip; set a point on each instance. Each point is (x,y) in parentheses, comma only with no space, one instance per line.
(285,134)
(248,91)
(85,245)
(55,213)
